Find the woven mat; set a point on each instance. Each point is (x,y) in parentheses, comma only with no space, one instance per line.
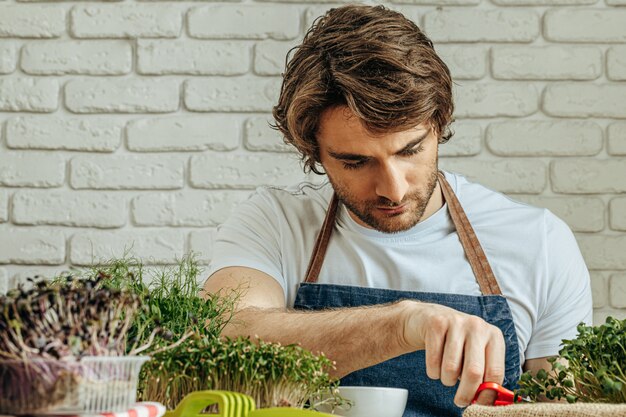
(548,410)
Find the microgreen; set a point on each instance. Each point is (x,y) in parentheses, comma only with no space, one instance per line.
(589,368)
(65,318)
(272,374)
(47,329)
(188,353)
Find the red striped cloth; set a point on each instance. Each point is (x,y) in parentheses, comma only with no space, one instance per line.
(142,409)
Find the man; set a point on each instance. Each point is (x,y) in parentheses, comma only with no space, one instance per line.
(403,275)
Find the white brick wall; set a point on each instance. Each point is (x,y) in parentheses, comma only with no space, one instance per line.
(31,21)
(77,57)
(126,21)
(95,134)
(184,133)
(140,125)
(128,95)
(29,94)
(8,57)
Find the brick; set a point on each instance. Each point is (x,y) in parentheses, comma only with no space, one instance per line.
(495,100)
(466,62)
(37,272)
(31,21)
(126,21)
(69,208)
(77,57)
(157,247)
(467,140)
(184,133)
(506,176)
(29,94)
(585,100)
(603,252)
(64,133)
(244,171)
(4,206)
(305,1)
(439,2)
(617,213)
(269,57)
(582,214)
(244,22)
(616,63)
(31,246)
(201,243)
(49,1)
(585,25)
(192,57)
(232,94)
(617,139)
(600,316)
(8,57)
(588,176)
(599,289)
(195,208)
(617,290)
(4,281)
(469,25)
(544,138)
(543,2)
(31,169)
(546,63)
(125,172)
(259,136)
(129,95)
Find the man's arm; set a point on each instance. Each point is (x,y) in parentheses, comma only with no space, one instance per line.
(458,345)
(534,365)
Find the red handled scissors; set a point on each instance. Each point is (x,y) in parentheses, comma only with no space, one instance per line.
(505,396)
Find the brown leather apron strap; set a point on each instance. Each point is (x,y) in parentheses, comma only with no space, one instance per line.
(473,250)
(321,244)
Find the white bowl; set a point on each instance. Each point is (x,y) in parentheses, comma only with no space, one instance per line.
(370,402)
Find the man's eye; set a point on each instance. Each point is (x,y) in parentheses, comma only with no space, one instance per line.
(353,165)
(413,151)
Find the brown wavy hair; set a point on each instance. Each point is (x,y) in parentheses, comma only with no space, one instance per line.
(371,59)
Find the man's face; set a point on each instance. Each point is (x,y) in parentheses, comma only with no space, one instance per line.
(386,181)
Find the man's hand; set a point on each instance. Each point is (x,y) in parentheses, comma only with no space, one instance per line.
(458,346)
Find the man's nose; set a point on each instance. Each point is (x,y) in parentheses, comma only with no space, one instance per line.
(391,183)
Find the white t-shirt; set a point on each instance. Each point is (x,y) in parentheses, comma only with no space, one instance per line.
(533,254)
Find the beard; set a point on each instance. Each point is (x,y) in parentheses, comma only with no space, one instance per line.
(367,211)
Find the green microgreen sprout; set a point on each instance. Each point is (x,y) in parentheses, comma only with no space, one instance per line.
(273,374)
(589,368)
(46,330)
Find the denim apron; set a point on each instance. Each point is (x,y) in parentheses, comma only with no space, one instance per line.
(427,397)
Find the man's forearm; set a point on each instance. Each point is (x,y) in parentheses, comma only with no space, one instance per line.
(354,338)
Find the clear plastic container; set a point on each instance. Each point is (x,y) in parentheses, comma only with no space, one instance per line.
(95,384)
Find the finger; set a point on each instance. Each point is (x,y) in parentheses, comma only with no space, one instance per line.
(494,357)
(473,369)
(452,358)
(494,366)
(487,397)
(434,342)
